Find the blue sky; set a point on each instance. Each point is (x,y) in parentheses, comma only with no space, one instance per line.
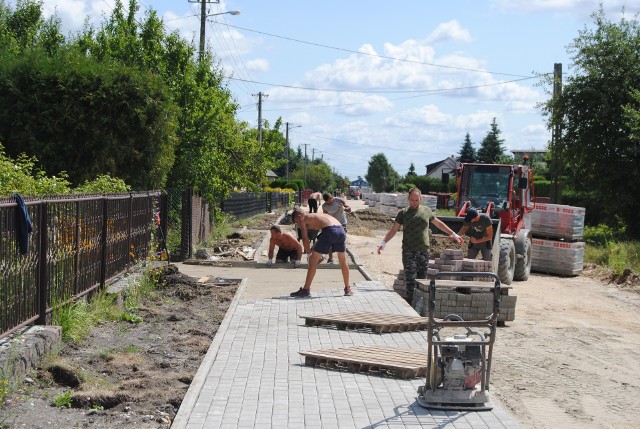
(408,79)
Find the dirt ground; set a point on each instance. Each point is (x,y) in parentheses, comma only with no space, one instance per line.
(570,358)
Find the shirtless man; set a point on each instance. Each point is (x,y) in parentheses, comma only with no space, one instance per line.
(332,235)
(288,247)
(314,202)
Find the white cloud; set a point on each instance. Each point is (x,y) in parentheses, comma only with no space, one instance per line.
(449,31)
(429,115)
(258,65)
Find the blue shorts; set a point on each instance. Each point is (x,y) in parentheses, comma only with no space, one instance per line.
(331,238)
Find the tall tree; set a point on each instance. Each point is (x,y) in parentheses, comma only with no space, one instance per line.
(598,113)
(491,148)
(380,173)
(411,174)
(467,151)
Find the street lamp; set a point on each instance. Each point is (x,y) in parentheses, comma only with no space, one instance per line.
(231,12)
(203,19)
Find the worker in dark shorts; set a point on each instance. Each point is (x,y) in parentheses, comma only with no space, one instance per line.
(289,249)
(479,229)
(314,202)
(332,236)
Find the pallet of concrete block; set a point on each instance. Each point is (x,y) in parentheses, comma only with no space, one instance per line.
(557,221)
(557,257)
(476,305)
(454,260)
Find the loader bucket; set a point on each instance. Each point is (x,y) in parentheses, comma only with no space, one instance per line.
(455,223)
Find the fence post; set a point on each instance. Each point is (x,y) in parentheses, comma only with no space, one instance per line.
(76,257)
(130,222)
(105,231)
(164,214)
(42,265)
(186,239)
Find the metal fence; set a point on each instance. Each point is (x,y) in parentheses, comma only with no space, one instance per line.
(82,243)
(195,221)
(78,244)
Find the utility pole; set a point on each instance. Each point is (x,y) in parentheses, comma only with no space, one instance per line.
(203,21)
(556,139)
(260,95)
(289,125)
(287,148)
(305,162)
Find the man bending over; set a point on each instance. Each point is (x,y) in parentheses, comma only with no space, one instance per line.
(288,247)
(332,236)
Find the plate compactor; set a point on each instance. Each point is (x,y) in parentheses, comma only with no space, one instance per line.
(459,351)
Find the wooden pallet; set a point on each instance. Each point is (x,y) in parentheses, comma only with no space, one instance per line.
(401,363)
(377,322)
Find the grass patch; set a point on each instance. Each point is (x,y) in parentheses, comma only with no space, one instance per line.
(78,317)
(63,401)
(606,247)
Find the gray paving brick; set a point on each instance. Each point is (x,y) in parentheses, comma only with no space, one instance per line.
(258,379)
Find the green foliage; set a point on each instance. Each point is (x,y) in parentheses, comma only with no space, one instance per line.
(128,99)
(602,234)
(616,255)
(22,176)
(467,151)
(131,318)
(429,184)
(597,114)
(75,320)
(491,148)
(380,174)
(63,400)
(318,176)
(92,118)
(4,387)
(103,184)
(411,173)
(542,187)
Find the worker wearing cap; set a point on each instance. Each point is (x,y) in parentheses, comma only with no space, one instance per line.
(479,229)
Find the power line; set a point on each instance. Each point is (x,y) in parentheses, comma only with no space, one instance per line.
(375,55)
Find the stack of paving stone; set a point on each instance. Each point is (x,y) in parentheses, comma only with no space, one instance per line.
(450,260)
(454,260)
(468,304)
(557,232)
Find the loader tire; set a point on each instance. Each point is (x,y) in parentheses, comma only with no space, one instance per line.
(507,262)
(523,262)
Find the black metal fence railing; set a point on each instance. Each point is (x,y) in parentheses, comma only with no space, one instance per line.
(78,244)
(81,243)
(245,204)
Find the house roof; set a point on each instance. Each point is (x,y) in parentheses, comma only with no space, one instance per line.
(271,174)
(449,162)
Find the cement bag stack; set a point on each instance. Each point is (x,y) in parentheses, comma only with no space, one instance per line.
(557,233)
(388,204)
(369,199)
(430,201)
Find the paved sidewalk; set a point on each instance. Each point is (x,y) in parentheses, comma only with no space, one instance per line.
(254,377)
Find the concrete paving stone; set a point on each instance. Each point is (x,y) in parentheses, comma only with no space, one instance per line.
(259,352)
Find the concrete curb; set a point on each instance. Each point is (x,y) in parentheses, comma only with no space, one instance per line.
(191,397)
